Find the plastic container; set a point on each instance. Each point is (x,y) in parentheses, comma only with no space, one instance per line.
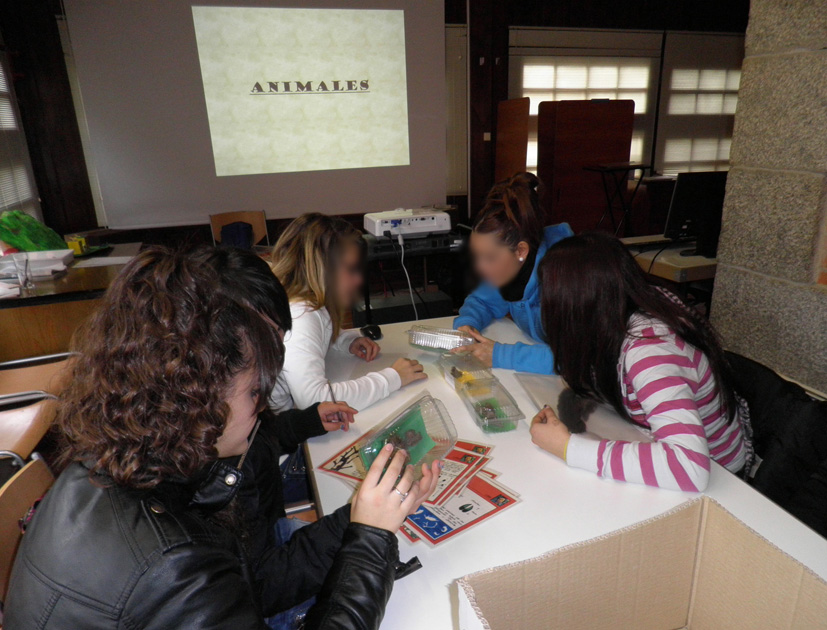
(431,338)
(492,407)
(460,369)
(423,428)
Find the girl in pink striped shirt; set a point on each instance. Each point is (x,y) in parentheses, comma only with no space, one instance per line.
(618,340)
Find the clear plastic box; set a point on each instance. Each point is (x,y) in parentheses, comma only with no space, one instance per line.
(431,338)
(423,428)
(460,369)
(492,407)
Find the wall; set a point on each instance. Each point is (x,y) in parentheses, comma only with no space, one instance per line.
(770,300)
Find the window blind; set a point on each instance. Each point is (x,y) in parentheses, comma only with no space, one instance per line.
(17,188)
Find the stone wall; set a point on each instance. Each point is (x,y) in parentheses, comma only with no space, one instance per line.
(770,300)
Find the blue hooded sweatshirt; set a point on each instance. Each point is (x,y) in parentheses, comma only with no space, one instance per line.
(486,304)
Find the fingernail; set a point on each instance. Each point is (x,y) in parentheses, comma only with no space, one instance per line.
(441,464)
(388,447)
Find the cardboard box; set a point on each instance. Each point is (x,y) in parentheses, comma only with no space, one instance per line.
(696,567)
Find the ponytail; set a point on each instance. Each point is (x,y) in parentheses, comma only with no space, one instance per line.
(512,211)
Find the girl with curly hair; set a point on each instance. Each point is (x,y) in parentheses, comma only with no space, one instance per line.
(142,528)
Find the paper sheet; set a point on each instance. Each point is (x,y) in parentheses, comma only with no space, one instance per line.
(545,390)
(102,261)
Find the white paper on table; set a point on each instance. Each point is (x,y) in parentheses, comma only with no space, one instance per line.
(9,290)
(103,261)
(545,390)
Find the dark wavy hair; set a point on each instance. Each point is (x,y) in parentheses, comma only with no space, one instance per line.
(146,397)
(512,211)
(591,286)
(245,277)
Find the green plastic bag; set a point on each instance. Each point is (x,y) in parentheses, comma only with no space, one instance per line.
(19,230)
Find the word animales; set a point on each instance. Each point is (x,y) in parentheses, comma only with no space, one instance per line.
(309,87)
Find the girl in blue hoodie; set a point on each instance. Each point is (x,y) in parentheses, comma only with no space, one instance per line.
(508,241)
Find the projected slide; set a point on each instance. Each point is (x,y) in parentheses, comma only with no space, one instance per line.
(303,89)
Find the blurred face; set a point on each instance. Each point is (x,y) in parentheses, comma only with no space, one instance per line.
(243,401)
(495,262)
(348,276)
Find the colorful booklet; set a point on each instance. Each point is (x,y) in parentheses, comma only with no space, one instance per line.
(458,468)
(482,498)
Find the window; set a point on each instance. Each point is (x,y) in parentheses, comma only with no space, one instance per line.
(566,78)
(699,90)
(699,94)
(707,91)
(17,189)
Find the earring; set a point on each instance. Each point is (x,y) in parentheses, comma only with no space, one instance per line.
(522,259)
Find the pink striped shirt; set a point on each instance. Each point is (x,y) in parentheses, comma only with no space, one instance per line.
(669,389)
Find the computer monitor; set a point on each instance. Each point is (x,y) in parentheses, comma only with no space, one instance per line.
(696,209)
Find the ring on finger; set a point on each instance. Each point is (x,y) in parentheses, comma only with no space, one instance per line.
(402,495)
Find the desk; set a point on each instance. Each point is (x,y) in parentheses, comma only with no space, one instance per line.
(560,506)
(669,264)
(43,321)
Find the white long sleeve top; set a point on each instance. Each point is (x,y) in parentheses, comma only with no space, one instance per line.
(303,381)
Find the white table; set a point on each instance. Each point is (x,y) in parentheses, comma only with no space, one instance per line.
(668,262)
(559,505)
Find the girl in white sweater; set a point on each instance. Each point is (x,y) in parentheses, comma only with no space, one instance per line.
(318,259)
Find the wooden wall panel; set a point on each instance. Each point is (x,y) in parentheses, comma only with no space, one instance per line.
(31,37)
(512,138)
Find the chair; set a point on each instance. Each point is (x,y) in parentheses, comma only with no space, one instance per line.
(790,437)
(22,428)
(40,375)
(256,218)
(17,495)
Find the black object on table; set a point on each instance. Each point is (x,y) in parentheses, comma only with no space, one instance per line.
(614,178)
(371,331)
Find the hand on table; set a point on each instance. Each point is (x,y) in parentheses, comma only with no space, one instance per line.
(483,349)
(468,329)
(364,348)
(385,503)
(549,433)
(409,370)
(336,415)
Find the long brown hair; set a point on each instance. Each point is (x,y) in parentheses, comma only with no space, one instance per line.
(146,398)
(591,286)
(305,258)
(512,211)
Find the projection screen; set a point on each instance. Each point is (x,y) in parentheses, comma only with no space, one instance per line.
(201,106)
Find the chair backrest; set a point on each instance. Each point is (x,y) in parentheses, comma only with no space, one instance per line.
(789,432)
(46,377)
(256,218)
(16,497)
(22,428)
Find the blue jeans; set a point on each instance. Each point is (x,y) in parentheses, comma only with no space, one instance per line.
(289,619)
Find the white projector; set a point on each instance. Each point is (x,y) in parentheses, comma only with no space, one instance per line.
(416,223)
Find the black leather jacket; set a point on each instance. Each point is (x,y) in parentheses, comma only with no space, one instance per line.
(98,556)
